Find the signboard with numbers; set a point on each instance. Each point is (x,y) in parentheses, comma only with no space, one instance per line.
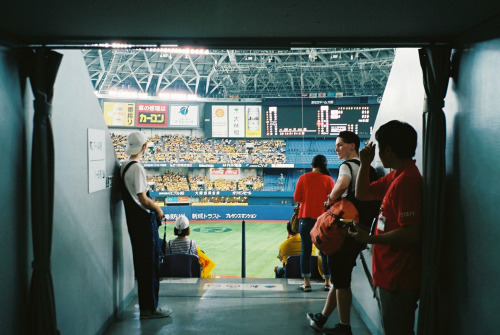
(318,121)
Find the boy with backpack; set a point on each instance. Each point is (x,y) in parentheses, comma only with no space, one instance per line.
(342,262)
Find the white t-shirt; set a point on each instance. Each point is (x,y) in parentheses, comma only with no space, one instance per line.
(344,170)
(135,181)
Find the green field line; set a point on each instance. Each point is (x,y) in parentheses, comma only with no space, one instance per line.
(221,241)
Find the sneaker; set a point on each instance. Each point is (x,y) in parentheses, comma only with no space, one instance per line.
(317,321)
(328,287)
(305,288)
(158,313)
(339,329)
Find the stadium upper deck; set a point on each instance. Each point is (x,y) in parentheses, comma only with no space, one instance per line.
(199,150)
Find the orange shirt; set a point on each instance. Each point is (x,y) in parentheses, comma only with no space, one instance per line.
(311,191)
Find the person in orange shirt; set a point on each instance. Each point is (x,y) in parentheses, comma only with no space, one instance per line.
(311,191)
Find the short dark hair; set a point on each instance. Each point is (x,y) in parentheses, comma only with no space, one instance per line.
(183,232)
(350,137)
(400,136)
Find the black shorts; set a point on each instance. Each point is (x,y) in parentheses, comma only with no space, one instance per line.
(343,261)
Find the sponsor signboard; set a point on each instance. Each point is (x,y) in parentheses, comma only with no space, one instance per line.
(219,121)
(119,114)
(151,115)
(184,116)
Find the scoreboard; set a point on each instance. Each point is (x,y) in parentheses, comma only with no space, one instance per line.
(318,120)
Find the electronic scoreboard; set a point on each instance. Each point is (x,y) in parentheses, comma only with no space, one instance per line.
(318,121)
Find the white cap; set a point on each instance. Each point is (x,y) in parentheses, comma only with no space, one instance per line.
(181,223)
(135,141)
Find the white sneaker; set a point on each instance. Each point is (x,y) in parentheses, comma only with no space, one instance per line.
(158,313)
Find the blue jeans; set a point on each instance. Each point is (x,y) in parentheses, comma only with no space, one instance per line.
(305,227)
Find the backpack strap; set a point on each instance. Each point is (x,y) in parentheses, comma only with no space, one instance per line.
(350,191)
(127,167)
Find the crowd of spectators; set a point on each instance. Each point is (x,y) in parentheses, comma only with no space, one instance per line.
(188,149)
(170,181)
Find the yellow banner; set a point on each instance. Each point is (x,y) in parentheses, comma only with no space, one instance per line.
(121,114)
(253,124)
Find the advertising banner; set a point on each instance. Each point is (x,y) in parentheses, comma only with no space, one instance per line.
(151,115)
(236,213)
(119,114)
(253,121)
(184,116)
(224,172)
(219,121)
(236,121)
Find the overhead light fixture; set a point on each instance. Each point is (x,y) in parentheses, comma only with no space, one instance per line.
(177,96)
(186,51)
(127,93)
(118,45)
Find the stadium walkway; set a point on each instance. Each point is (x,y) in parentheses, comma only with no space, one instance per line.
(232,306)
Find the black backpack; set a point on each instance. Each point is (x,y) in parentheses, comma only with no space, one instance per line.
(368,210)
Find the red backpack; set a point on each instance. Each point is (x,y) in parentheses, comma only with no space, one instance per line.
(329,232)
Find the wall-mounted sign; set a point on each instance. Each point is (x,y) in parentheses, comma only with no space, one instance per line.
(236,121)
(151,115)
(219,121)
(96,159)
(119,114)
(184,116)
(254,123)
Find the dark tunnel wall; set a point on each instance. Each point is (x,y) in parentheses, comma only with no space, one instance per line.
(14,200)
(470,297)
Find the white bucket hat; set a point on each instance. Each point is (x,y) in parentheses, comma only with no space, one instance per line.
(181,223)
(135,141)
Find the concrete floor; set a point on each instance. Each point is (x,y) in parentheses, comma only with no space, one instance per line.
(232,306)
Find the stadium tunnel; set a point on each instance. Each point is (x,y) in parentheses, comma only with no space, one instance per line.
(82,272)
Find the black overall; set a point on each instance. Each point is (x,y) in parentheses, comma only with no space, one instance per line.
(143,231)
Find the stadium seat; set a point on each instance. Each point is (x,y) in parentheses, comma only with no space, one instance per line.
(292,268)
(180,265)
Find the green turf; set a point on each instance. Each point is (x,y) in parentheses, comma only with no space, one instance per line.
(221,241)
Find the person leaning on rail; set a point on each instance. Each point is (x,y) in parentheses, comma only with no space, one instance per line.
(397,239)
(143,215)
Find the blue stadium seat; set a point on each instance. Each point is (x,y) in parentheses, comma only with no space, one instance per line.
(180,265)
(292,268)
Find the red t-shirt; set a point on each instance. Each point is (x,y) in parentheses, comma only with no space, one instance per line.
(311,191)
(398,267)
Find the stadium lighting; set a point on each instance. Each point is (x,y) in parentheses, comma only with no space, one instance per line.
(185,51)
(127,93)
(177,96)
(118,45)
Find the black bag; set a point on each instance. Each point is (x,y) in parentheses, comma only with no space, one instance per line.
(368,210)
(294,221)
(163,248)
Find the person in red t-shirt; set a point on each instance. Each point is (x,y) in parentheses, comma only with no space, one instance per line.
(311,191)
(397,239)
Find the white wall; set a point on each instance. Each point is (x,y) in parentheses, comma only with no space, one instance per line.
(403,97)
(91,255)
(403,100)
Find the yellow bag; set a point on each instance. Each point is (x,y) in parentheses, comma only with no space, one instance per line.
(207,265)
